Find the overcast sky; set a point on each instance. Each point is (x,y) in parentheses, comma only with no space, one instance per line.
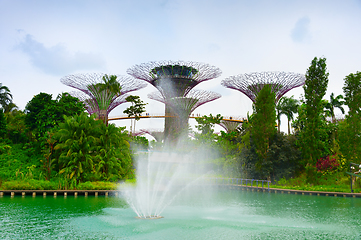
(42,41)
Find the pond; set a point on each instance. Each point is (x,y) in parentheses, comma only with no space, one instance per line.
(203,214)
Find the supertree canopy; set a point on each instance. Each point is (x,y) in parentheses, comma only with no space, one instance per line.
(157,134)
(174,78)
(251,84)
(229,126)
(101,93)
(187,104)
(92,105)
(174,81)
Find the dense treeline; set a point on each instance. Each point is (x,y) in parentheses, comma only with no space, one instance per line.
(54,140)
(321,147)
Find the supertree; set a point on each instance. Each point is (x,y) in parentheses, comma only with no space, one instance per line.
(157,134)
(229,126)
(174,80)
(251,84)
(91,104)
(182,107)
(101,93)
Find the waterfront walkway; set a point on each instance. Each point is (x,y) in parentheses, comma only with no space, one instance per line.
(106,193)
(148,115)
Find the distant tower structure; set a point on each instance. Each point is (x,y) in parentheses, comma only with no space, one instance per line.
(157,134)
(174,81)
(229,126)
(101,93)
(251,84)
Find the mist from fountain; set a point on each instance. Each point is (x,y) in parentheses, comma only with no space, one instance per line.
(161,178)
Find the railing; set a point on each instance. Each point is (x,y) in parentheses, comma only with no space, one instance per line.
(242,182)
(354,174)
(194,115)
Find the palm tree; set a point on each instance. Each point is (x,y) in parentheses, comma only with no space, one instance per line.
(279,113)
(77,143)
(113,160)
(104,94)
(10,107)
(332,104)
(111,84)
(5,96)
(287,106)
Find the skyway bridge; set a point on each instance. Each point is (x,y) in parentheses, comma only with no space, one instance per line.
(148,115)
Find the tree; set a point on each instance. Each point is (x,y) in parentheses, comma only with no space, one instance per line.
(68,105)
(263,123)
(104,93)
(48,153)
(91,151)
(10,107)
(5,96)
(3,125)
(334,103)
(111,84)
(279,113)
(40,114)
(350,129)
(136,110)
(205,123)
(299,123)
(43,113)
(205,126)
(113,161)
(77,137)
(17,129)
(139,143)
(287,106)
(311,136)
(285,155)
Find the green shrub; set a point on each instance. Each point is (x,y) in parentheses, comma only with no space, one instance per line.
(28,185)
(97,186)
(19,163)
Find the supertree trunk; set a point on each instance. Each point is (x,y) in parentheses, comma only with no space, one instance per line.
(174,80)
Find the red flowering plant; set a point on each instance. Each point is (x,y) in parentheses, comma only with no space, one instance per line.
(327,164)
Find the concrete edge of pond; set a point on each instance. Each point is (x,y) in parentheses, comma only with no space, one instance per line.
(292,191)
(56,193)
(106,193)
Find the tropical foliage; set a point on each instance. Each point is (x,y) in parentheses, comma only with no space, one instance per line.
(313,135)
(350,129)
(135,110)
(263,124)
(91,151)
(43,113)
(103,94)
(286,106)
(335,102)
(5,96)
(53,144)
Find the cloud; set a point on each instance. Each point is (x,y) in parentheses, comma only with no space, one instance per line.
(300,33)
(56,60)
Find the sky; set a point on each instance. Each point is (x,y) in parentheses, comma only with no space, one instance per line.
(42,41)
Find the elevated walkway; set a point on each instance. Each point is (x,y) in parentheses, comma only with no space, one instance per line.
(148,115)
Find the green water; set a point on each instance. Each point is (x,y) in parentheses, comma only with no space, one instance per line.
(222,214)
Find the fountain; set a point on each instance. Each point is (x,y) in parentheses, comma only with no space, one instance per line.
(161,177)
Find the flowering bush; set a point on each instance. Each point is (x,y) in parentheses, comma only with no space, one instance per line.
(328,163)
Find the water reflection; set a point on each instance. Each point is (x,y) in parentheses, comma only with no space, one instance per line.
(210,214)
